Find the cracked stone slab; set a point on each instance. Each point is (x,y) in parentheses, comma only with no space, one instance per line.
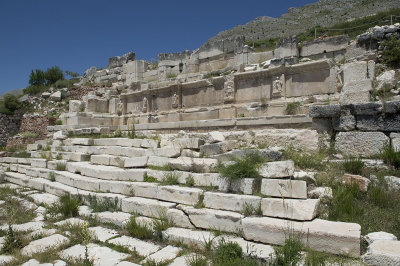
(117,218)
(71,221)
(196,238)
(44,198)
(103,234)
(102,256)
(43,244)
(166,254)
(142,247)
(29,226)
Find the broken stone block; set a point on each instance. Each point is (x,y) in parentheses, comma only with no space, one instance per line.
(279,169)
(361,143)
(218,148)
(372,237)
(142,247)
(284,188)
(383,252)
(184,195)
(301,210)
(360,181)
(57,96)
(202,165)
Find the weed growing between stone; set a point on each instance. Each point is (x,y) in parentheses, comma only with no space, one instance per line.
(289,254)
(103,205)
(171,178)
(138,230)
(391,157)
(353,166)
(303,160)
(61,166)
(242,168)
(68,206)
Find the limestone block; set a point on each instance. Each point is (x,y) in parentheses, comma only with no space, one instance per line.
(320,235)
(44,198)
(393,182)
(82,141)
(170,152)
(375,236)
(354,97)
(70,221)
(190,153)
(189,237)
(33,147)
(142,247)
(203,165)
(184,195)
(301,210)
(361,143)
(214,219)
(301,139)
(136,162)
(59,135)
(4,259)
(396,144)
(269,154)
(100,159)
(76,106)
(145,207)
(179,218)
(278,169)
(284,188)
(149,143)
(230,202)
(188,143)
(344,123)
(360,181)
(118,218)
(56,96)
(103,234)
(26,227)
(215,136)
(39,163)
(100,255)
(383,252)
(124,142)
(124,151)
(166,254)
(112,173)
(324,110)
(218,148)
(321,192)
(41,245)
(356,71)
(158,161)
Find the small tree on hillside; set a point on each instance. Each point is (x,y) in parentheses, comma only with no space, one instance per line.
(53,74)
(37,78)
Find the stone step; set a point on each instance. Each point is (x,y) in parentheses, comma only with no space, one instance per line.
(123,162)
(202,165)
(284,188)
(142,247)
(320,235)
(146,207)
(14,160)
(294,209)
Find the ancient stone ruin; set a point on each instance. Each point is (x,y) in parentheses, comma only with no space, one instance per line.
(151,141)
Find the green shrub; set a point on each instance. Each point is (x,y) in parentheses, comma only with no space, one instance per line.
(315,258)
(61,166)
(190,181)
(344,203)
(52,176)
(161,224)
(64,83)
(391,52)
(171,178)
(289,254)
(231,254)
(105,204)
(242,168)
(11,242)
(150,179)
(132,132)
(68,206)
(59,157)
(313,160)
(171,76)
(53,74)
(292,108)
(249,209)
(58,122)
(353,166)
(196,260)
(35,89)
(141,231)
(29,135)
(9,104)
(22,154)
(390,156)
(37,78)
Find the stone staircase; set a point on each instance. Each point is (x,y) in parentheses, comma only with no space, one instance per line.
(119,169)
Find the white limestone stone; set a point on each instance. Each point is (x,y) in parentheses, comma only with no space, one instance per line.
(257,250)
(100,159)
(42,232)
(184,260)
(103,234)
(149,143)
(202,165)
(127,263)
(179,218)
(44,198)
(26,227)
(136,162)
(169,152)
(43,244)
(118,218)
(4,259)
(243,185)
(158,161)
(230,202)
(39,163)
(320,235)
(284,188)
(34,262)
(71,222)
(184,195)
(85,211)
(215,136)
(82,141)
(278,169)
(165,254)
(145,207)
(189,237)
(59,135)
(361,143)
(101,256)
(188,143)
(383,252)
(213,219)
(142,247)
(375,236)
(302,210)
(124,151)
(321,192)
(190,153)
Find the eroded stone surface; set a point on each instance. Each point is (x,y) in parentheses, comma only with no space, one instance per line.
(40,245)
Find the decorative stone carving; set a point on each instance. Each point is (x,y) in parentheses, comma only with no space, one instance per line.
(175,101)
(339,79)
(120,108)
(229,95)
(278,84)
(144,108)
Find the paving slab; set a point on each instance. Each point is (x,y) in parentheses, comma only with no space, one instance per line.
(166,254)
(103,234)
(118,218)
(44,198)
(145,207)
(197,238)
(142,247)
(34,262)
(43,244)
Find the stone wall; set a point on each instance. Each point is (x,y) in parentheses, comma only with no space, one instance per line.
(78,92)
(9,125)
(359,129)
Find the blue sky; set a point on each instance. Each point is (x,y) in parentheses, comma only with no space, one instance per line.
(78,34)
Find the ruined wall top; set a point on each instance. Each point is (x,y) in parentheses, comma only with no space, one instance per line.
(118,61)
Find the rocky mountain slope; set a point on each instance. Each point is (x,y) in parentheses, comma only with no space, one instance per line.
(296,20)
